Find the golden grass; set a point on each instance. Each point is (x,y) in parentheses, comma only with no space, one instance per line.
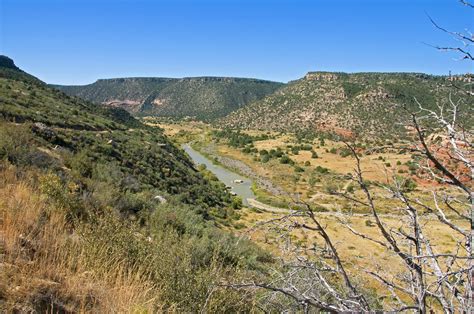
(45,266)
(357,253)
(374,169)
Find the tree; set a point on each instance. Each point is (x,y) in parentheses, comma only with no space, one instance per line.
(430,279)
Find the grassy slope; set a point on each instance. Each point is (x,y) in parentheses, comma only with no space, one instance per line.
(92,136)
(70,172)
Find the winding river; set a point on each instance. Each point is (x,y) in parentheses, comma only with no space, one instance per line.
(226,176)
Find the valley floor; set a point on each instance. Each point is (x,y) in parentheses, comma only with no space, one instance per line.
(279,186)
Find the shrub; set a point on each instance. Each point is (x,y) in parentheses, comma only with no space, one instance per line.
(236,202)
(409,185)
(298,169)
(313,180)
(330,188)
(286,160)
(265,158)
(320,169)
(350,188)
(369,223)
(345,152)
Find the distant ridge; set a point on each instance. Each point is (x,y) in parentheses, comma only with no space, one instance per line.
(358,104)
(205,98)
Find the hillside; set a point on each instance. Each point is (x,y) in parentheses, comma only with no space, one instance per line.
(101,213)
(361,104)
(143,156)
(204,98)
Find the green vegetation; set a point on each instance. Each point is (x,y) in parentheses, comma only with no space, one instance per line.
(203,98)
(101,212)
(335,105)
(237,138)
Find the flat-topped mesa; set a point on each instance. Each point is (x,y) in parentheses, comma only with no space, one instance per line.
(226,79)
(136,79)
(321,76)
(206,98)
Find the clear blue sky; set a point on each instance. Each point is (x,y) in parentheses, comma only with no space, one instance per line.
(77,42)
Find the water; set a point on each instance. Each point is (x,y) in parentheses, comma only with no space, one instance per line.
(224,175)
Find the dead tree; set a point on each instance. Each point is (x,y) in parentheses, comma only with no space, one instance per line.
(431,279)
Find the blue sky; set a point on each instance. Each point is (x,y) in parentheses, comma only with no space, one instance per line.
(77,42)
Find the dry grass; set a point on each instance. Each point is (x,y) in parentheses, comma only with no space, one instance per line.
(356,253)
(193,127)
(374,168)
(45,266)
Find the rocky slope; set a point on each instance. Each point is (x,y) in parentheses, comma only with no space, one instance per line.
(361,104)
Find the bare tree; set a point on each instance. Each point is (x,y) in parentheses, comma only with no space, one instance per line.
(431,279)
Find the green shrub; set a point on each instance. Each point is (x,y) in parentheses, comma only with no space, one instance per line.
(265,158)
(320,169)
(345,152)
(286,160)
(236,202)
(298,169)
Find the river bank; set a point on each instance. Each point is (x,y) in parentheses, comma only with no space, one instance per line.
(238,184)
(243,169)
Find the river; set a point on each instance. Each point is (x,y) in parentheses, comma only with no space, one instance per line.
(224,175)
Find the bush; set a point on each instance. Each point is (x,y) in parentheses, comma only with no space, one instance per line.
(313,180)
(350,188)
(246,150)
(15,144)
(81,164)
(236,202)
(330,188)
(320,169)
(345,152)
(286,160)
(409,185)
(298,169)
